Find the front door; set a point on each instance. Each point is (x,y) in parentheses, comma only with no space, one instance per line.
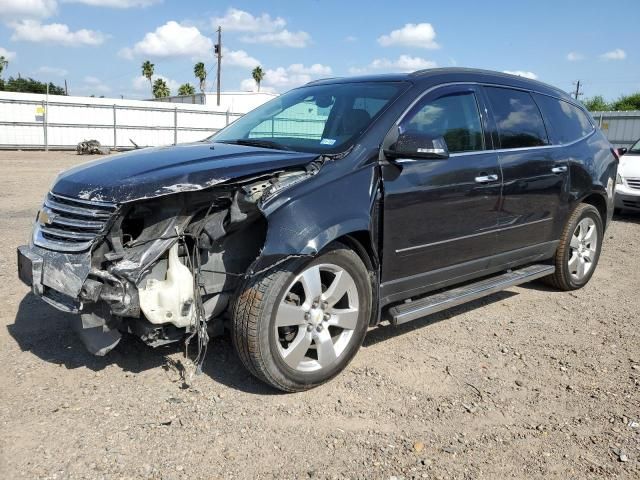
(440,216)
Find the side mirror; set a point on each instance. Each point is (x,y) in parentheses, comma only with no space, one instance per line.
(621,151)
(414,144)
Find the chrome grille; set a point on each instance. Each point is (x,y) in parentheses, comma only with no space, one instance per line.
(70,224)
(633,183)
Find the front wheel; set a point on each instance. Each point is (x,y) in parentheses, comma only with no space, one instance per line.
(579,250)
(300,324)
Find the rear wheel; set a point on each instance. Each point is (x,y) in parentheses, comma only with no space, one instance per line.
(299,325)
(577,255)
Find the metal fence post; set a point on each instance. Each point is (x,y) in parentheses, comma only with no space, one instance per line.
(175,125)
(45,105)
(226,118)
(115,124)
(600,122)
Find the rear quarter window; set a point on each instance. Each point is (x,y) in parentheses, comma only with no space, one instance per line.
(566,122)
(517,117)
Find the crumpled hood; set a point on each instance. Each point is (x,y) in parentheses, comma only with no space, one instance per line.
(154,172)
(629,165)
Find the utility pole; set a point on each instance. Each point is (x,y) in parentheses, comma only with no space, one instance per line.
(218,51)
(578,92)
(66,90)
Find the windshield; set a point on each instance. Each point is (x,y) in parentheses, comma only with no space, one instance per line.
(316,119)
(635,148)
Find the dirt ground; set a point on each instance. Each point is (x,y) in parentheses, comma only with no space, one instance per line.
(527,383)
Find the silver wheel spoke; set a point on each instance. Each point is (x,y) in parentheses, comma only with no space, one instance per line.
(575,241)
(297,349)
(325,348)
(581,268)
(310,280)
(589,235)
(573,263)
(346,318)
(289,315)
(341,283)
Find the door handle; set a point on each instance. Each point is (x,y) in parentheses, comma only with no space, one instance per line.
(559,169)
(487,178)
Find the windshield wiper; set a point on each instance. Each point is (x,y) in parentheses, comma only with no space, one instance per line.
(257,142)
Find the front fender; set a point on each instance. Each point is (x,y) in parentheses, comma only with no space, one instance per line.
(316,212)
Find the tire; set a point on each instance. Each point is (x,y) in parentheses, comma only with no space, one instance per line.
(295,353)
(567,276)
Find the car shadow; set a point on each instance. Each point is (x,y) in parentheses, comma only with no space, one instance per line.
(627,216)
(385,330)
(47,333)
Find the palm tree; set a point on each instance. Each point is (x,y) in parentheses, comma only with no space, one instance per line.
(200,73)
(147,71)
(258,74)
(160,88)
(186,89)
(4,63)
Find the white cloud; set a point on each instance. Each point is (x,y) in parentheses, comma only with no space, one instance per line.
(239,58)
(59,72)
(7,54)
(420,35)
(522,73)
(575,56)
(236,20)
(116,3)
(58,33)
(617,54)
(285,78)
(95,85)
(142,83)
(404,63)
(20,9)
(171,40)
(350,38)
(283,38)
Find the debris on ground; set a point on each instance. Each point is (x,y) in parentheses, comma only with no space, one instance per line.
(92,147)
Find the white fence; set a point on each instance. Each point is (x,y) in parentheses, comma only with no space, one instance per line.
(59,122)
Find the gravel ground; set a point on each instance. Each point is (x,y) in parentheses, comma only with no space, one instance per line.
(527,383)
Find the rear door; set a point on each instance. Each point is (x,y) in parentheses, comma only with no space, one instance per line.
(534,172)
(440,215)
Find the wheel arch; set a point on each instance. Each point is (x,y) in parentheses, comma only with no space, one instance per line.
(598,200)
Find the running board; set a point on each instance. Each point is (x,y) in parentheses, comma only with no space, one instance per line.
(441,301)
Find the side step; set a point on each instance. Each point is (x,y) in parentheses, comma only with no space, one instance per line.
(441,301)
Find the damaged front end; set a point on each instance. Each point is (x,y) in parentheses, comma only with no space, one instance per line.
(160,268)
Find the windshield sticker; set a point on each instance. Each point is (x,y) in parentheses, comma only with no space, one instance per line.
(327,141)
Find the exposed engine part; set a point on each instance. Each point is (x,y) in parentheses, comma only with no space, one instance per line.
(91,147)
(97,329)
(170,300)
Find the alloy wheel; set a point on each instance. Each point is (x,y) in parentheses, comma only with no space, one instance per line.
(584,245)
(316,319)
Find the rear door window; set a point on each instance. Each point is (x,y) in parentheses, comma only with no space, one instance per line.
(517,117)
(567,122)
(454,117)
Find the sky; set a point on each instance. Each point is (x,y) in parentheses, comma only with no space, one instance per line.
(98,46)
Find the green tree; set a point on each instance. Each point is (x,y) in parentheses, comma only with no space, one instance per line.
(160,88)
(258,74)
(4,63)
(596,103)
(200,73)
(147,71)
(29,85)
(627,102)
(186,89)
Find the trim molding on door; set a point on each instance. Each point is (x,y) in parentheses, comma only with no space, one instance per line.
(464,237)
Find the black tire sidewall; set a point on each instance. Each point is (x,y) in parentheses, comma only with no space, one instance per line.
(590,212)
(344,258)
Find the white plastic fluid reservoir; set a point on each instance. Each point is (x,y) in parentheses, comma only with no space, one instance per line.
(170,300)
